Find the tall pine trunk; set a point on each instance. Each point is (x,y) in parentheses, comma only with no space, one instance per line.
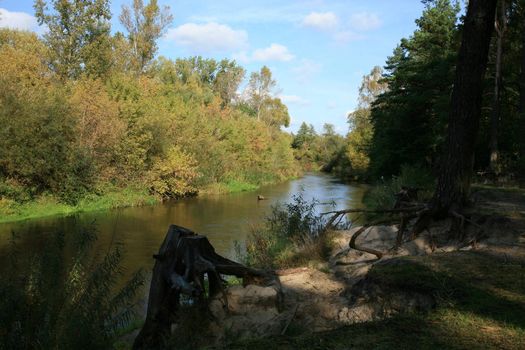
(454,179)
(500,25)
(522,107)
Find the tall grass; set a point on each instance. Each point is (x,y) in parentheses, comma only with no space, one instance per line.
(65,295)
(292,235)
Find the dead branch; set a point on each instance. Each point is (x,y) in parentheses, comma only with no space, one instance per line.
(363,249)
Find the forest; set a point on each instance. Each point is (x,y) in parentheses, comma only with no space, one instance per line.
(92,118)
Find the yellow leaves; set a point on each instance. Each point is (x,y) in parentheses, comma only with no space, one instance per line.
(21,68)
(98,126)
(174,175)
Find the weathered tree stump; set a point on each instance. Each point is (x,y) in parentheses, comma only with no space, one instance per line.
(183,260)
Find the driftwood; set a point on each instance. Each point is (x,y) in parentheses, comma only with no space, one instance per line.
(406,206)
(184,260)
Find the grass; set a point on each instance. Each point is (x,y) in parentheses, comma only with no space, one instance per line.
(480,305)
(110,198)
(292,235)
(49,205)
(232,186)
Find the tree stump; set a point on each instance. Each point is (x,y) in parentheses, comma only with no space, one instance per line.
(183,261)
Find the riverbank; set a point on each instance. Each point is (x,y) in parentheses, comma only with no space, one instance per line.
(112,198)
(430,293)
(480,305)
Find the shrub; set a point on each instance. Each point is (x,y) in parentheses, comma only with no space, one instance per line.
(382,195)
(63,296)
(291,236)
(175,175)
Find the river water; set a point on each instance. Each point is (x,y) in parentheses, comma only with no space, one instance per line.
(223,218)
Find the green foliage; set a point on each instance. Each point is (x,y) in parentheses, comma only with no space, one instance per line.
(64,296)
(361,132)
(290,236)
(382,195)
(324,152)
(145,24)
(175,175)
(78,36)
(419,75)
(179,129)
(37,147)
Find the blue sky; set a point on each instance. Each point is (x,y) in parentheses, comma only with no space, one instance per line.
(318,50)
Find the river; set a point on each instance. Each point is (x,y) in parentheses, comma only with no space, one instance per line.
(223,218)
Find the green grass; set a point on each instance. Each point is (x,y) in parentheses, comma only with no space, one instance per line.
(481,305)
(48,205)
(232,186)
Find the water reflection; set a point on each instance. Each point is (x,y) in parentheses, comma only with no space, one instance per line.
(223,218)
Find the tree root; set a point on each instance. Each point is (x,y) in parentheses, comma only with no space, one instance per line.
(414,207)
(424,217)
(352,244)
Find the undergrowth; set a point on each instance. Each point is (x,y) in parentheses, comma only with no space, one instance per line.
(65,295)
(292,235)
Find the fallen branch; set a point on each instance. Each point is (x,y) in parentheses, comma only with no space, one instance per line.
(340,213)
(352,244)
(413,208)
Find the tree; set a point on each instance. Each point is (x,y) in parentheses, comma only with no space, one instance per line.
(457,165)
(265,107)
(259,89)
(145,24)
(360,135)
(521,128)
(500,25)
(227,80)
(419,75)
(37,138)
(78,36)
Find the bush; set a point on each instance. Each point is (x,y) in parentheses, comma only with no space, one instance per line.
(382,195)
(291,236)
(63,296)
(174,176)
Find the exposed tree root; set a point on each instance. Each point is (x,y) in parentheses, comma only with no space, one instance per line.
(409,209)
(363,249)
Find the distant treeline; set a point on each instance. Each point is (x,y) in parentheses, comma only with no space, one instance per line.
(82,109)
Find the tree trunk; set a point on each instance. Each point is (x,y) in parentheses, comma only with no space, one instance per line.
(500,26)
(180,267)
(522,106)
(455,175)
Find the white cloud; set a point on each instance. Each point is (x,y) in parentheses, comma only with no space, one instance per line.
(294,99)
(306,70)
(209,37)
(17,20)
(326,21)
(274,52)
(365,21)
